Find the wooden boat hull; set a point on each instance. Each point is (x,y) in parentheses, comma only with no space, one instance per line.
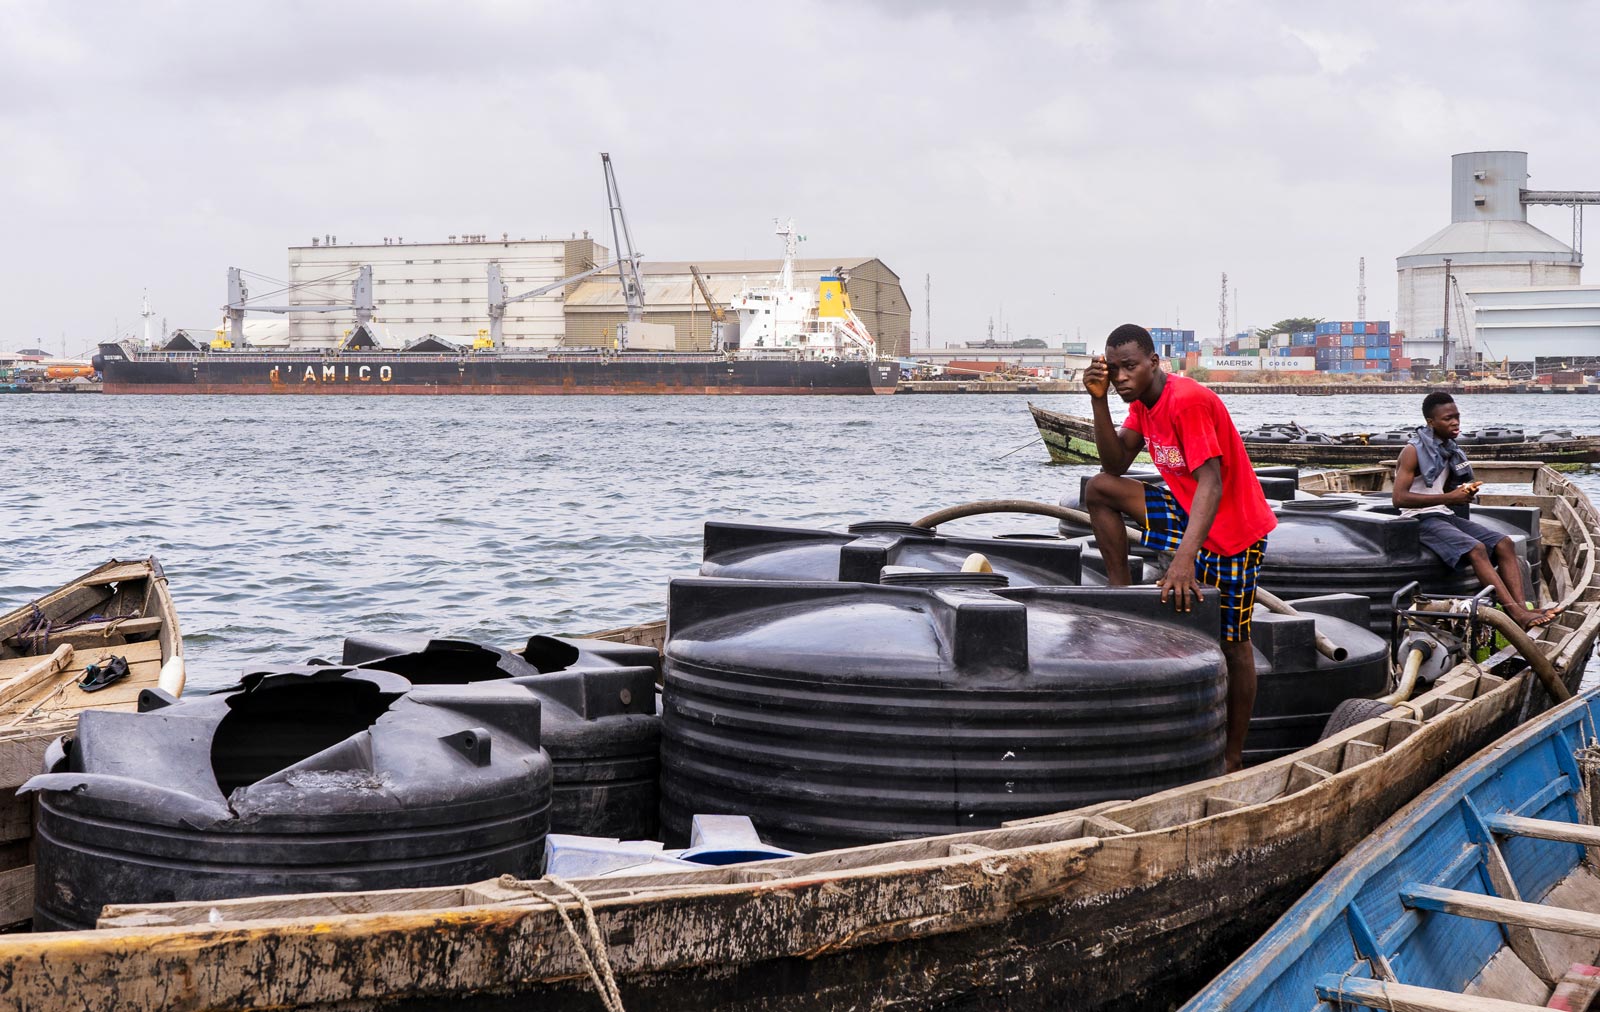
(142,627)
(1469,835)
(1121,905)
(1070,440)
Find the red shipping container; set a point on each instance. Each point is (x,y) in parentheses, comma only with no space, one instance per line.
(1401,363)
(1347,328)
(1372,328)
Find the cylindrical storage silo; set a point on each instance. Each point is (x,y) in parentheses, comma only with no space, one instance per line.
(757,552)
(842,714)
(316,780)
(600,725)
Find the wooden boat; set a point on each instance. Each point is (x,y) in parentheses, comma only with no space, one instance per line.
(1480,896)
(1126,904)
(1070,440)
(119,609)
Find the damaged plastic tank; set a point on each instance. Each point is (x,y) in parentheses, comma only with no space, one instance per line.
(841,714)
(308,780)
(599,718)
(756,552)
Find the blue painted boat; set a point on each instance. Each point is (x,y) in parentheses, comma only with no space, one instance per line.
(1476,897)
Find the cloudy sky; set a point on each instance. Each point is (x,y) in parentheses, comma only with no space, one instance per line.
(1070,165)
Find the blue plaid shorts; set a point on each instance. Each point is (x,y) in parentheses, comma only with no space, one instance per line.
(1234,575)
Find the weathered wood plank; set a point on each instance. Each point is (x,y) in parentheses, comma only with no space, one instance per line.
(1545,829)
(16,895)
(41,672)
(1477,906)
(1379,994)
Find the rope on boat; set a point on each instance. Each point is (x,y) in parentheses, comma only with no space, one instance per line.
(594,951)
(39,629)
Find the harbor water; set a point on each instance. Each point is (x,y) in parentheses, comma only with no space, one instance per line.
(285,523)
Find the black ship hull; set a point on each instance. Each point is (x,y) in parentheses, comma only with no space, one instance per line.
(129,371)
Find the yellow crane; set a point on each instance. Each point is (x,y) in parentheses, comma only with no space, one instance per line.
(719,314)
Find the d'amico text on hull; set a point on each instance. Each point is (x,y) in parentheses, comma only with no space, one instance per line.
(128,370)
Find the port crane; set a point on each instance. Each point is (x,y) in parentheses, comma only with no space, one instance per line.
(719,313)
(239,304)
(635,331)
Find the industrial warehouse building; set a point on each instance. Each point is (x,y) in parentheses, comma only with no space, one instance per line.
(442,289)
(671,296)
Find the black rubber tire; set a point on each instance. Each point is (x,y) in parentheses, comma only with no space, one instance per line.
(1350,713)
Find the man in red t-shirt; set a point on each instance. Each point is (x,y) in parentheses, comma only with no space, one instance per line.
(1212,516)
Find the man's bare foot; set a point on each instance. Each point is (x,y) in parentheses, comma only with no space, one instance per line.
(1534,618)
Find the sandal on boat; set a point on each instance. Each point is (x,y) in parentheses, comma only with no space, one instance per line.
(99,675)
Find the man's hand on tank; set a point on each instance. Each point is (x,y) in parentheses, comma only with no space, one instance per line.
(1097,378)
(1179,585)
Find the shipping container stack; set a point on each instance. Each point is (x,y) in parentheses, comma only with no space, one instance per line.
(1361,346)
(1174,344)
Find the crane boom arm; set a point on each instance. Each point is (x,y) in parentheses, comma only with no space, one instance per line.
(718,313)
(547,289)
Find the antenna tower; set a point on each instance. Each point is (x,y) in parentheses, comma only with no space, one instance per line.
(927,307)
(1222,310)
(1361,290)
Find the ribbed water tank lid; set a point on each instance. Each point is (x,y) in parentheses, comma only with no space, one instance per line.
(891,527)
(935,581)
(1321,504)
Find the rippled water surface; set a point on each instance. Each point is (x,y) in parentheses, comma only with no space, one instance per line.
(286,523)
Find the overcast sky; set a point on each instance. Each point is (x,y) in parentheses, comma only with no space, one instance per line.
(1075,165)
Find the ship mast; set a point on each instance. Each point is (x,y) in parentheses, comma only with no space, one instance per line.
(149,315)
(791,248)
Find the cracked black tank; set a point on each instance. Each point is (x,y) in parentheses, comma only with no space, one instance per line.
(599,720)
(309,780)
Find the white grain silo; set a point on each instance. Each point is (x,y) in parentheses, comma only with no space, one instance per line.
(1489,244)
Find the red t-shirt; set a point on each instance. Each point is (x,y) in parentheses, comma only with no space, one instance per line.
(1188,426)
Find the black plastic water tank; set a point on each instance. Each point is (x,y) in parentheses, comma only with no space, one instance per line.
(309,780)
(1329,545)
(1297,688)
(600,724)
(841,714)
(757,552)
(1520,523)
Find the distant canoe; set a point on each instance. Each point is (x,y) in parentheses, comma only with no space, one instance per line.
(1478,895)
(1070,439)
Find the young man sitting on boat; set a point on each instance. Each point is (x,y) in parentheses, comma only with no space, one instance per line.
(1212,515)
(1433,482)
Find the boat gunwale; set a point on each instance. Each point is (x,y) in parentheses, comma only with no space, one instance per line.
(1303,923)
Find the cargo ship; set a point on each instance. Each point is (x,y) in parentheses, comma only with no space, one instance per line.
(128,370)
(777,336)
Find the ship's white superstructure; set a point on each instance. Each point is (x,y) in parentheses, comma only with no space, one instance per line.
(807,322)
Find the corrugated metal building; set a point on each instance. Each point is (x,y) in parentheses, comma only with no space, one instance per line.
(1527,324)
(437,288)
(595,307)
(1490,245)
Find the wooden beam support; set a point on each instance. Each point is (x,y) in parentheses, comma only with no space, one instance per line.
(1490,908)
(1545,829)
(1351,992)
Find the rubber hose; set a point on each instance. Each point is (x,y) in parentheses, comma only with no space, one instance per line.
(973,509)
(1325,646)
(1408,678)
(1529,649)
